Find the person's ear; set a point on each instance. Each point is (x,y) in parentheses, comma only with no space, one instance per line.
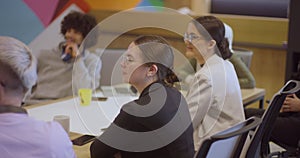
(152,70)
(211,44)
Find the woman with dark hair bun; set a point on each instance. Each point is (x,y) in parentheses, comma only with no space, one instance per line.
(245,77)
(158,123)
(164,61)
(214,98)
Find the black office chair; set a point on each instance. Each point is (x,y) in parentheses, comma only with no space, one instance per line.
(259,145)
(289,152)
(228,143)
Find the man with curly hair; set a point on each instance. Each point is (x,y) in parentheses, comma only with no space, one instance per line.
(70,66)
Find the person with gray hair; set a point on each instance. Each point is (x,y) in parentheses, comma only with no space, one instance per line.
(23,136)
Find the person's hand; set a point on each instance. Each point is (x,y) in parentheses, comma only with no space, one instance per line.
(291,104)
(71,48)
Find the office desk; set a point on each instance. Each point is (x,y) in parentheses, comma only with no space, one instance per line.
(97,116)
(83,119)
(90,119)
(93,118)
(80,151)
(249,96)
(252,95)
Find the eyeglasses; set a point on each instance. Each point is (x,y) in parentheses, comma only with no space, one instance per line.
(190,37)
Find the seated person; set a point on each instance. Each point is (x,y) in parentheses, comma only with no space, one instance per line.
(287,125)
(63,70)
(21,135)
(214,99)
(245,77)
(157,124)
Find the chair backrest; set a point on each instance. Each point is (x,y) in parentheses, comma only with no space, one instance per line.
(259,145)
(110,59)
(245,55)
(227,143)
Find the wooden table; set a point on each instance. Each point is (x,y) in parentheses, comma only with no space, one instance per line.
(249,96)
(80,151)
(252,95)
(83,119)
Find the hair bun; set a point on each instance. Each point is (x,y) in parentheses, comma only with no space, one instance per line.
(171,77)
(29,76)
(223,47)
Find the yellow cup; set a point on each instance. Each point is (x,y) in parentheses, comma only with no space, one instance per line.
(85,96)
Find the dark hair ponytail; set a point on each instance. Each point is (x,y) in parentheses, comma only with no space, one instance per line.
(223,47)
(170,78)
(165,74)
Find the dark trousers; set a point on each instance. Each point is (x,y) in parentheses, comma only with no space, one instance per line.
(286,130)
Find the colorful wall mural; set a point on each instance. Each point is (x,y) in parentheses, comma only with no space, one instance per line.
(26,19)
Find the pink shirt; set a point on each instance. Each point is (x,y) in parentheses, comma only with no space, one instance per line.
(23,136)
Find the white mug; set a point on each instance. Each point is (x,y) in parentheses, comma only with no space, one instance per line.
(64,121)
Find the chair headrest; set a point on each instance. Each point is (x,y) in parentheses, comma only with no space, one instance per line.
(292,86)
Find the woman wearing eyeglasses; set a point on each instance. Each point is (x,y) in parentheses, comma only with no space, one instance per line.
(214,99)
(158,123)
(245,77)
